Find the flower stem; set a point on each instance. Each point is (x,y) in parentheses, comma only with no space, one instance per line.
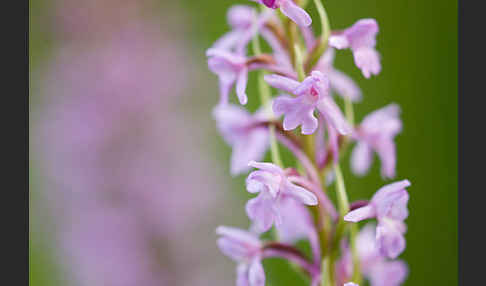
(321,45)
(265,98)
(354,252)
(343,202)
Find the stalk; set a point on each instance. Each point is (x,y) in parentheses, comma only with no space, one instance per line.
(265,98)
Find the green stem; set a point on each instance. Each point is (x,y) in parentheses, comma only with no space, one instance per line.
(265,98)
(325,271)
(299,62)
(321,47)
(348,110)
(342,197)
(354,251)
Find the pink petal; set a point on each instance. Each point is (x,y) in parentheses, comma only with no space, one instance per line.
(344,85)
(242,275)
(300,194)
(282,82)
(362,33)
(251,148)
(388,273)
(240,16)
(261,211)
(269,167)
(309,123)
(238,235)
(339,41)
(241,83)
(332,113)
(283,104)
(361,158)
(256,275)
(295,13)
(390,241)
(386,196)
(360,214)
(386,151)
(368,61)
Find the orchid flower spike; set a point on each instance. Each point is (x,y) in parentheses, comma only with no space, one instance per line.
(377,133)
(241,130)
(361,39)
(273,186)
(289,9)
(246,249)
(311,93)
(389,207)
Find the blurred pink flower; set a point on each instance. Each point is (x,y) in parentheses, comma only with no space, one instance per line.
(361,39)
(377,133)
(240,130)
(389,206)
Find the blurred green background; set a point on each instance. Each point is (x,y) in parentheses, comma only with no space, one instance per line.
(418,43)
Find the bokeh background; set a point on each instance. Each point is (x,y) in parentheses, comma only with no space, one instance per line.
(129,177)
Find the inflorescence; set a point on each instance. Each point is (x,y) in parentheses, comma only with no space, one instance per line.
(292,203)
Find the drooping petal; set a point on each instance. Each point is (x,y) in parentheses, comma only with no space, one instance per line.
(344,85)
(296,222)
(368,61)
(366,246)
(361,158)
(309,123)
(390,239)
(241,82)
(295,13)
(262,211)
(225,85)
(251,148)
(360,214)
(242,275)
(281,82)
(256,274)
(231,120)
(333,114)
(386,150)
(388,273)
(300,194)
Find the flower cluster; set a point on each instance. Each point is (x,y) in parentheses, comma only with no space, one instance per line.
(294,201)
